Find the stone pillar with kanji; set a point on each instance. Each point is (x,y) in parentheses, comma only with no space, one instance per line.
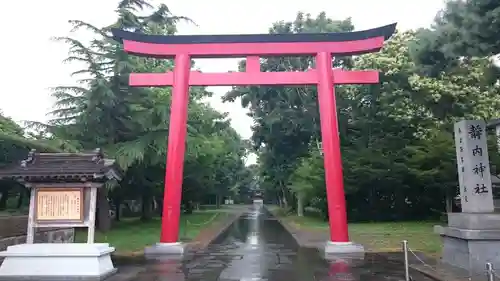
(473,164)
(472,237)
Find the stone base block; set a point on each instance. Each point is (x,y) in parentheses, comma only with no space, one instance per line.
(164,249)
(481,221)
(344,250)
(52,261)
(470,249)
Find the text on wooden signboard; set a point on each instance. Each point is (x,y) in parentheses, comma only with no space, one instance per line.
(61,204)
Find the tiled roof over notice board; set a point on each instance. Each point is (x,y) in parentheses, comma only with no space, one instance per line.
(62,167)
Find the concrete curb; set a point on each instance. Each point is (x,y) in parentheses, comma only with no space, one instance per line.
(290,229)
(199,243)
(304,244)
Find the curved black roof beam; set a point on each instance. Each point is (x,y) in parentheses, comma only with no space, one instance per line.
(383,31)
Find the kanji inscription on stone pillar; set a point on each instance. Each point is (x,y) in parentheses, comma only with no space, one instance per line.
(473,166)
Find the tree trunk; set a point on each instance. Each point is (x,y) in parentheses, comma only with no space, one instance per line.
(217,201)
(22,195)
(103,222)
(189,207)
(449,203)
(146,210)
(118,207)
(3,200)
(285,201)
(300,205)
(159,202)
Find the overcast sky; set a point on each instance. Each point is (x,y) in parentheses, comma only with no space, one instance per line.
(31,63)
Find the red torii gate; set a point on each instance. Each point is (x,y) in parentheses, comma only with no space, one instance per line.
(183,48)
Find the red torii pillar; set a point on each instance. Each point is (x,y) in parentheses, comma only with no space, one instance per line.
(323,46)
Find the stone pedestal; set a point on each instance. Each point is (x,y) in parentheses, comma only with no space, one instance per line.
(344,250)
(471,240)
(50,261)
(167,250)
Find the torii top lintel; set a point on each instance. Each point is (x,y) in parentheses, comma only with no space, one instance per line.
(213,46)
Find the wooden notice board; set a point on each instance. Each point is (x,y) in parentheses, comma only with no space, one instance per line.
(59,205)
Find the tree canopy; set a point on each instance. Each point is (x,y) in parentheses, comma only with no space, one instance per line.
(132,124)
(396,136)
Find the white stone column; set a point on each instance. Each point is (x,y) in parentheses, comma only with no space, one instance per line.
(473,167)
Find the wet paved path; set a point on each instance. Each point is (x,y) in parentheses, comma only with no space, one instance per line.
(257,247)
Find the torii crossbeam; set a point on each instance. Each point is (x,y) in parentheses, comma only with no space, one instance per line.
(323,46)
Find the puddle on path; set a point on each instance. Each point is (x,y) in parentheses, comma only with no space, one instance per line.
(256,247)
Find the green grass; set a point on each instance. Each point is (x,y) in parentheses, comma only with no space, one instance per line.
(133,235)
(383,236)
(387,236)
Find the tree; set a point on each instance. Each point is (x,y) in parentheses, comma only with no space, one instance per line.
(14,147)
(462,29)
(470,28)
(286,119)
(131,124)
(410,114)
(9,127)
(393,134)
